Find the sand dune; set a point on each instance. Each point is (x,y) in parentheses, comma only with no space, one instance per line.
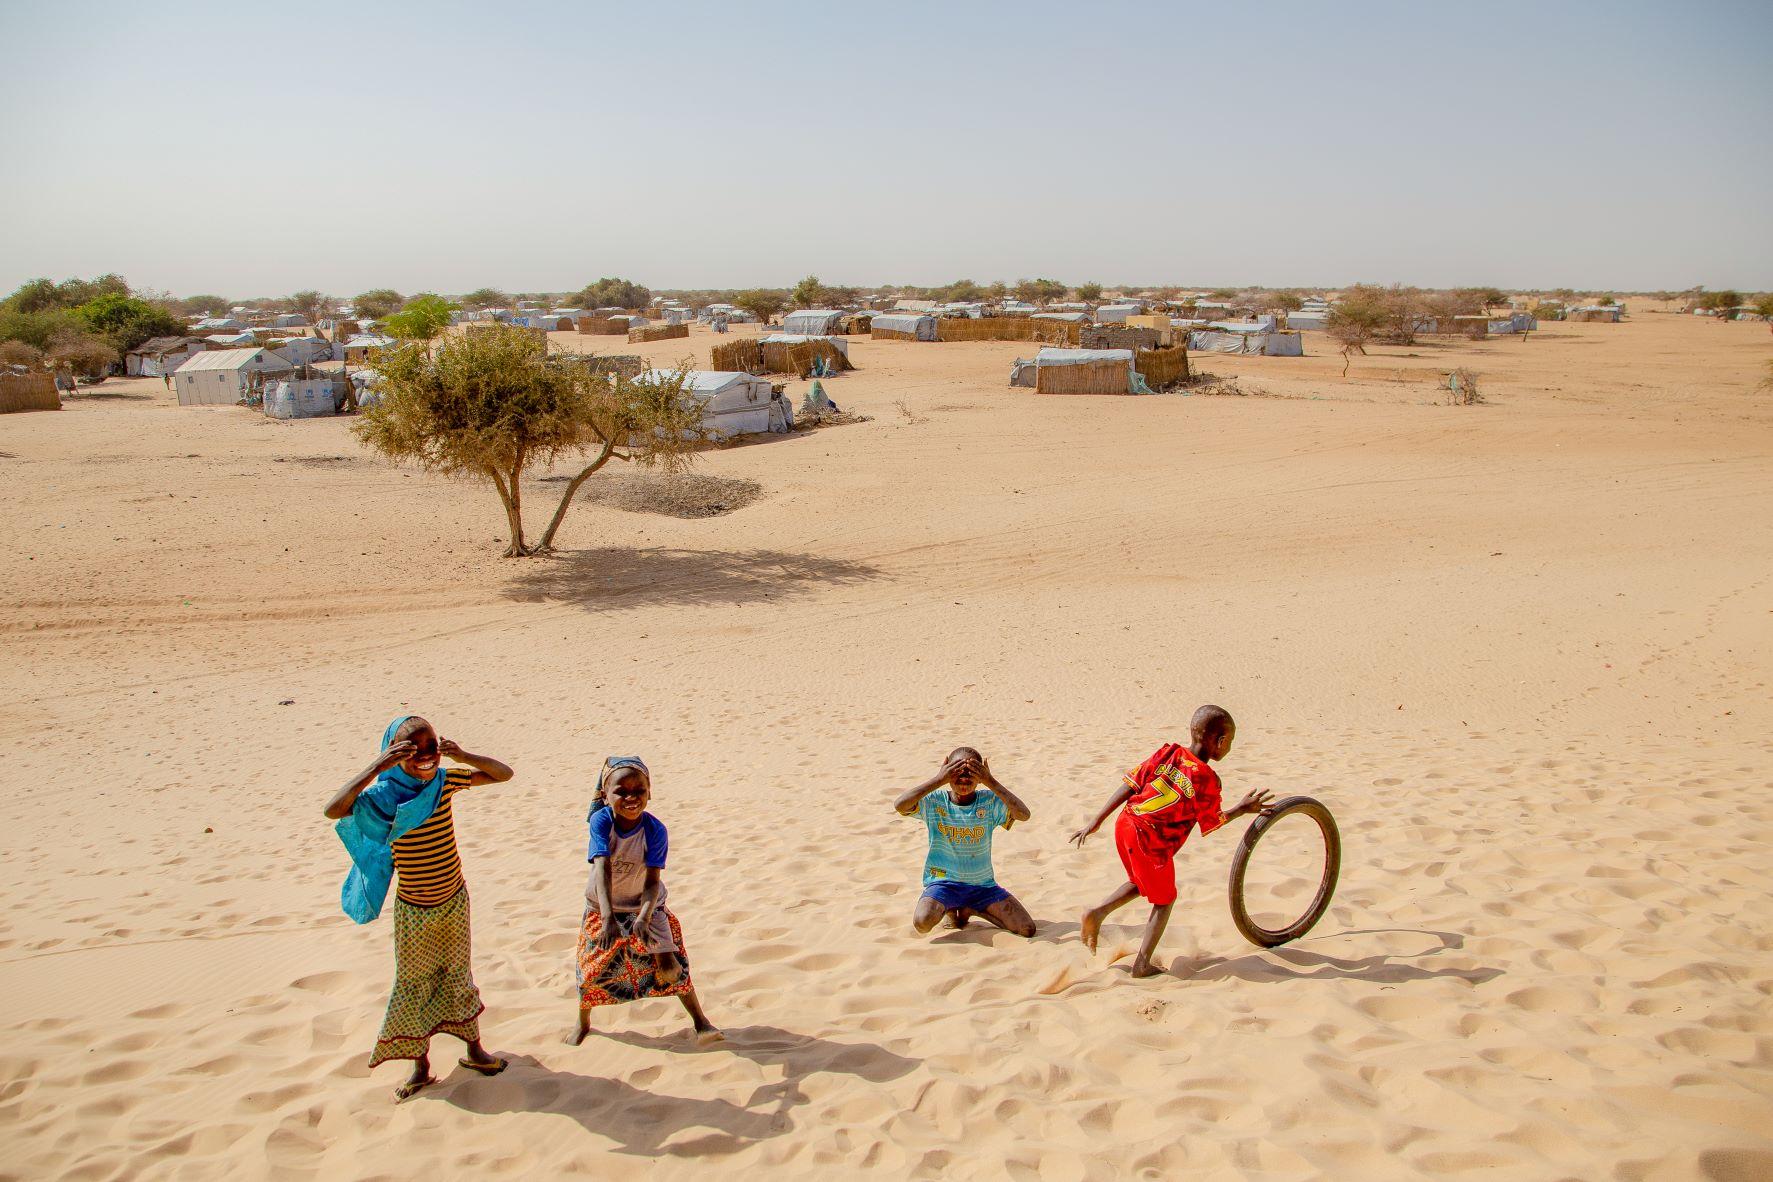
(1521,649)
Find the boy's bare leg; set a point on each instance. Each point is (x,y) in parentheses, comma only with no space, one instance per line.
(1011,916)
(1092,919)
(577,1036)
(1154,931)
(928,914)
(706,1031)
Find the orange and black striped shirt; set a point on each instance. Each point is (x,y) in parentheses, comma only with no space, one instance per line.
(430,867)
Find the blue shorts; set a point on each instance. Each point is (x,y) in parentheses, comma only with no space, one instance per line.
(954,896)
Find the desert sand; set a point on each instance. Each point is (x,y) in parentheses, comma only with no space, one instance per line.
(1521,649)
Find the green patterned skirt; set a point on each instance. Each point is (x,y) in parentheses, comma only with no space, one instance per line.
(434,990)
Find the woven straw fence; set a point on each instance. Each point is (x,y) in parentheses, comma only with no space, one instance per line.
(657,332)
(602,326)
(742,356)
(1002,328)
(891,334)
(797,359)
(1162,367)
(1092,377)
(28,391)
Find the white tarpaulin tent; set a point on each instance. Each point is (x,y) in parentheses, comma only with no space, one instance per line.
(222,377)
(1068,317)
(921,326)
(813,322)
(1251,339)
(1116,313)
(732,403)
(841,344)
(299,398)
(1308,318)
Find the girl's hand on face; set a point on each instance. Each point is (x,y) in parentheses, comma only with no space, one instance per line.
(449,748)
(397,754)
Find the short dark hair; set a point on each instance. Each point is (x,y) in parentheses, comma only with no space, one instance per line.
(964,753)
(1210,720)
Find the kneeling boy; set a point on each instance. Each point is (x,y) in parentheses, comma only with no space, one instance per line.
(957,877)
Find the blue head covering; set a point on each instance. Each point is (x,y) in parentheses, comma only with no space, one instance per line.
(387,810)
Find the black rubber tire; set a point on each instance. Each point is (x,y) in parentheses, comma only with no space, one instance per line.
(1240,915)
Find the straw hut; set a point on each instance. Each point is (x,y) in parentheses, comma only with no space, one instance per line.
(1603,313)
(1080,371)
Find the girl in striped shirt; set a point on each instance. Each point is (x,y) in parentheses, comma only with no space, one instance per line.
(396,818)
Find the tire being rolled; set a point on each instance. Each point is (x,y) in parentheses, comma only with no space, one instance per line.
(1320,903)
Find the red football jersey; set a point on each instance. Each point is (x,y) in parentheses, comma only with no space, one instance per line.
(1173,791)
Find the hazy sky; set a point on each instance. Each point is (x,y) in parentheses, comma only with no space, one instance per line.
(255,149)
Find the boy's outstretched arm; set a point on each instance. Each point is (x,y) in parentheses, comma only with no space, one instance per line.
(345,798)
(1253,802)
(1115,800)
(487,770)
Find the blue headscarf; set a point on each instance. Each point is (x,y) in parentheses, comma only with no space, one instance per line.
(387,810)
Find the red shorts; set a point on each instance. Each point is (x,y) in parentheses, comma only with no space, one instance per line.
(1150,866)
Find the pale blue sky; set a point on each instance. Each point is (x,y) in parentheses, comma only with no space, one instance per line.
(255,149)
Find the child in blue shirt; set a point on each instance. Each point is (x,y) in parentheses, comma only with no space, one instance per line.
(958,880)
(630,945)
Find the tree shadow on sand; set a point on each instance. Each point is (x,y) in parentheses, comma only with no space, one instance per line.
(615,578)
(1290,962)
(643,1122)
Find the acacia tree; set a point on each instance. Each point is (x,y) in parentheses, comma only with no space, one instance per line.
(614,293)
(761,302)
(808,293)
(309,303)
(423,319)
(486,297)
(492,405)
(1089,293)
(376,303)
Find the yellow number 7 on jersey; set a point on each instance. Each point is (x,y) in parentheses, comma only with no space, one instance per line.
(1166,796)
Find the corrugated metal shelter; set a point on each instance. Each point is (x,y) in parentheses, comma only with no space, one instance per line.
(223,377)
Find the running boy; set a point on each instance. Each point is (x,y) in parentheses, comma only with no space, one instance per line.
(1164,798)
(957,875)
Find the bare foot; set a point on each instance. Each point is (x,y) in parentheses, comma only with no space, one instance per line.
(959,918)
(577,1036)
(1090,929)
(1144,968)
(708,1035)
